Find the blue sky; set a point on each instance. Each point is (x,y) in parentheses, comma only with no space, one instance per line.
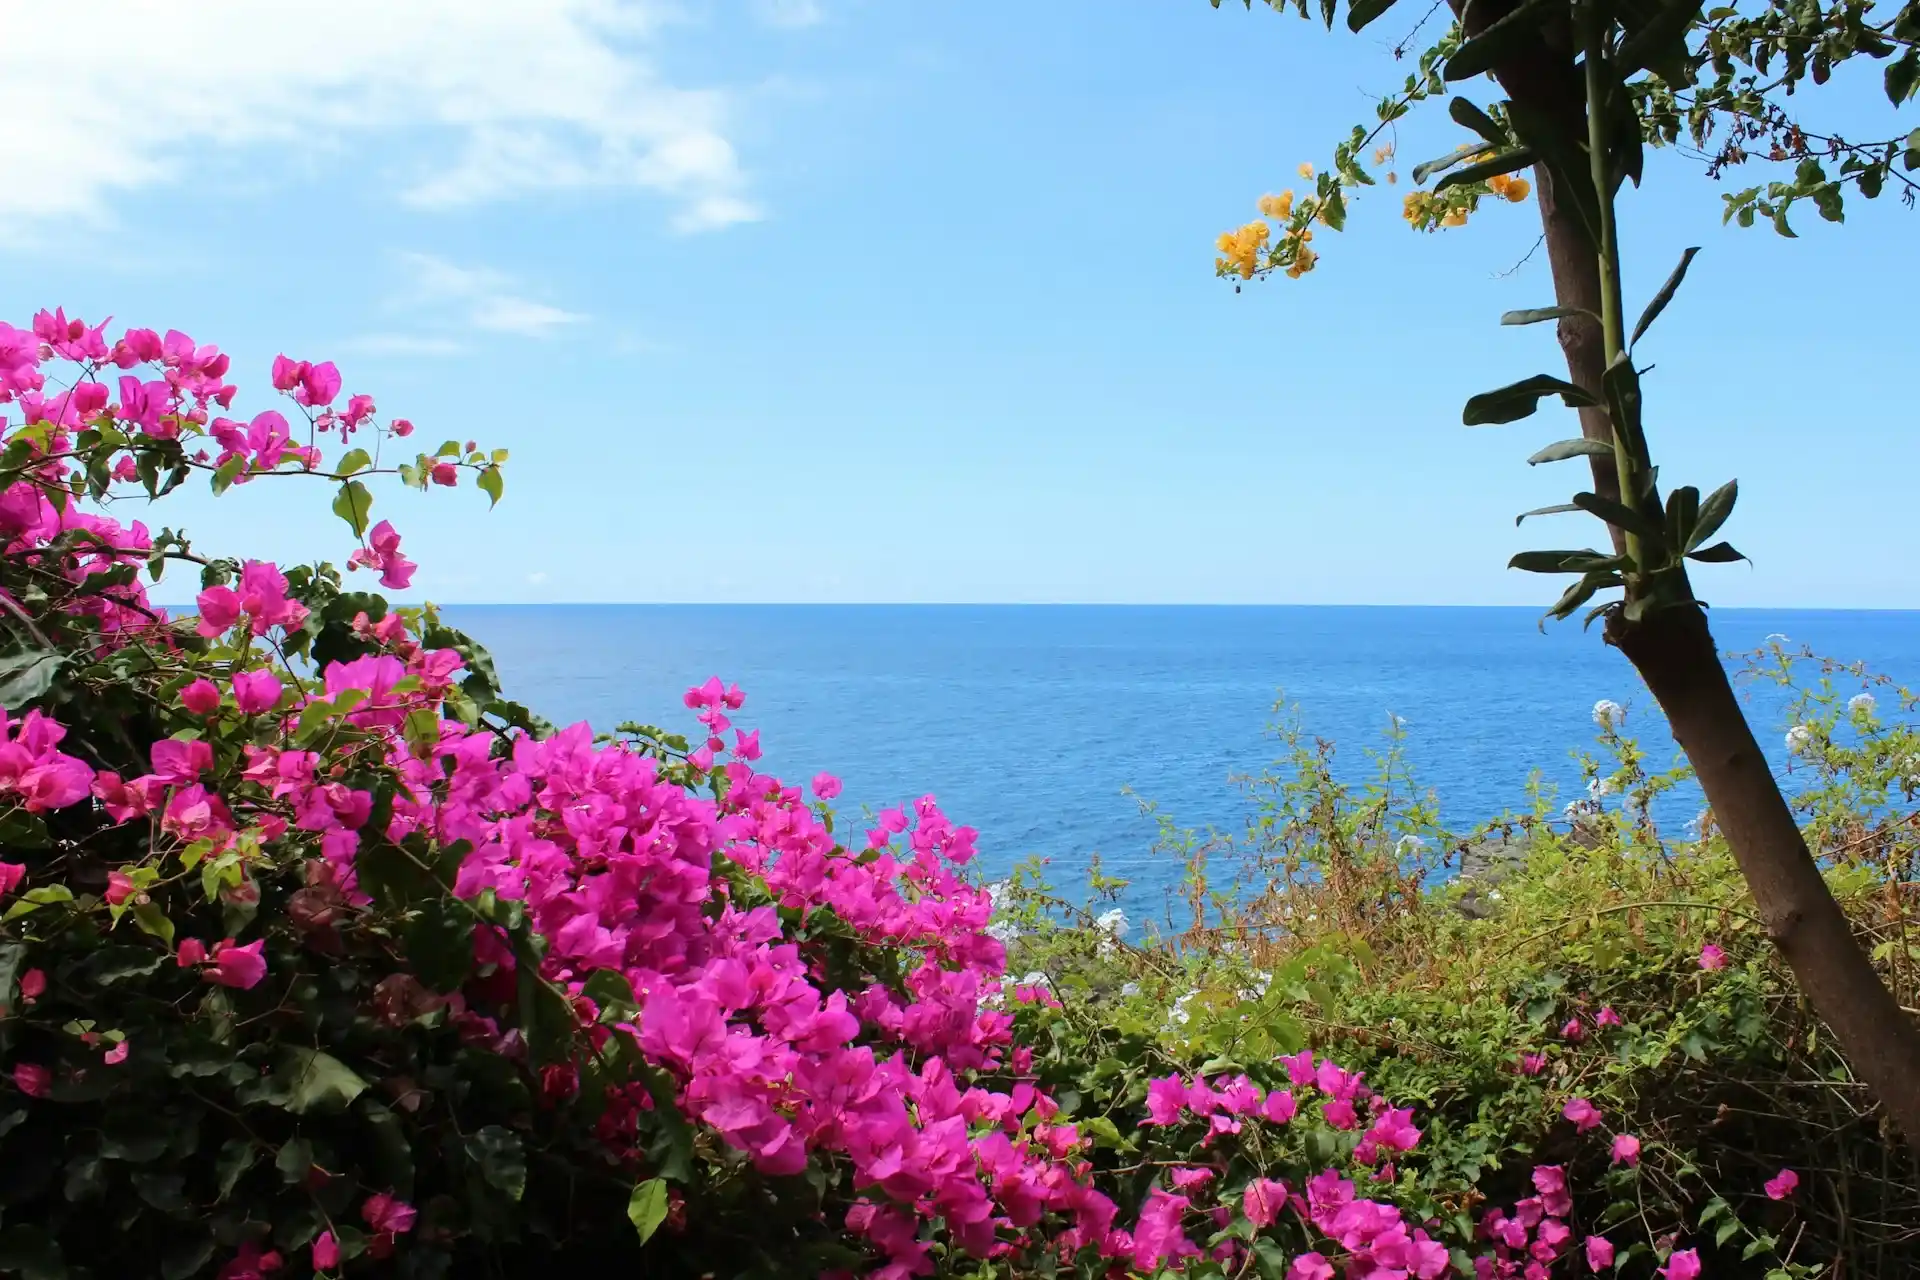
(867,300)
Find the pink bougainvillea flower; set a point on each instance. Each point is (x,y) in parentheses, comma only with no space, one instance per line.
(326,1252)
(1263,1201)
(118,1054)
(237,966)
(219,609)
(180,762)
(1626,1149)
(1779,1186)
(1166,1099)
(1712,957)
(33,985)
(191,952)
(1584,1114)
(1189,1178)
(1339,1113)
(826,786)
(11,874)
(252,1263)
(119,887)
(1532,1064)
(1280,1107)
(1599,1253)
(319,384)
(256,691)
(1310,1266)
(202,697)
(1683,1265)
(1573,1031)
(384,1213)
(383,553)
(1607,1018)
(32,1079)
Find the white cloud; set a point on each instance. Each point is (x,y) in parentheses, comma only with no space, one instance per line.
(483,297)
(790,13)
(480,100)
(401,344)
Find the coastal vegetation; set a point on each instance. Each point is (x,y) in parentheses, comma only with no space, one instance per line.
(320,955)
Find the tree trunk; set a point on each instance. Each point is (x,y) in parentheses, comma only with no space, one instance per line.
(1674,652)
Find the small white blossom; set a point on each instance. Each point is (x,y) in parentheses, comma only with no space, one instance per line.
(1409,844)
(1494,894)
(1861,704)
(1035,979)
(1799,739)
(1600,787)
(1113,923)
(1607,713)
(1776,638)
(1003,932)
(1130,989)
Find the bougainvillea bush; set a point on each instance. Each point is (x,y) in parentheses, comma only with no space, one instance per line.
(318,956)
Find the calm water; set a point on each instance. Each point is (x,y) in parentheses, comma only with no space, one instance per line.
(1027,722)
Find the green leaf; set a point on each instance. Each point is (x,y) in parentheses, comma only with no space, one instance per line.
(1902,76)
(1505,162)
(26,676)
(186,1257)
(356,460)
(1558,509)
(1581,592)
(295,1161)
(1662,298)
(492,483)
(1505,37)
(1713,513)
(1535,315)
(237,1155)
(609,989)
(1521,399)
(1427,168)
(1468,116)
(354,505)
(440,944)
(1561,450)
(1718,553)
(32,1254)
(503,1163)
(318,1081)
(1361,12)
(1624,517)
(1587,561)
(1660,45)
(647,1207)
(1683,512)
(224,477)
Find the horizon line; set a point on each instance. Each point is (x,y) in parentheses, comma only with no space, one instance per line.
(1054,604)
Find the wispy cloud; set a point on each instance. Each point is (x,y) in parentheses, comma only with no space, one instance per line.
(790,13)
(479,297)
(401,344)
(481,100)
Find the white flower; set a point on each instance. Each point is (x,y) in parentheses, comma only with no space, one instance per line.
(1003,932)
(1799,739)
(1861,704)
(1035,979)
(1409,844)
(1130,989)
(1114,923)
(1494,894)
(1607,713)
(1574,808)
(1600,787)
(1776,638)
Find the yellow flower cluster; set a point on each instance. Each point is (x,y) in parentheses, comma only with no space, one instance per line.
(1279,207)
(1303,260)
(1509,188)
(1414,210)
(1241,249)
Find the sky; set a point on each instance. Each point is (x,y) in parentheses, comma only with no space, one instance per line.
(867,300)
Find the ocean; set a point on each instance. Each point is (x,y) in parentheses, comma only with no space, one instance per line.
(1030,723)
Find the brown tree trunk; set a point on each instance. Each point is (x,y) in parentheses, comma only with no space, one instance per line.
(1674,653)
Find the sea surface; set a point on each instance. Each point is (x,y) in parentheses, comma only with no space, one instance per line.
(1031,723)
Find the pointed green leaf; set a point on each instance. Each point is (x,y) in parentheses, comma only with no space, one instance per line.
(1561,450)
(1659,44)
(1468,116)
(223,478)
(1662,298)
(317,1081)
(647,1207)
(1587,561)
(1581,592)
(1505,162)
(1361,12)
(1622,516)
(1520,400)
(1713,513)
(1538,315)
(492,483)
(1718,553)
(1426,169)
(1559,509)
(354,505)
(357,460)
(1683,512)
(1507,36)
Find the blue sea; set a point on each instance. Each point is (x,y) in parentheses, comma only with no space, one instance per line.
(1030,723)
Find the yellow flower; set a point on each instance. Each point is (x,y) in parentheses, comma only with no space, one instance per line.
(1279,207)
(1306,171)
(1302,263)
(1517,190)
(1392,177)
(1383,154)
(1499,182)
(1456,218)
(1415,207)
